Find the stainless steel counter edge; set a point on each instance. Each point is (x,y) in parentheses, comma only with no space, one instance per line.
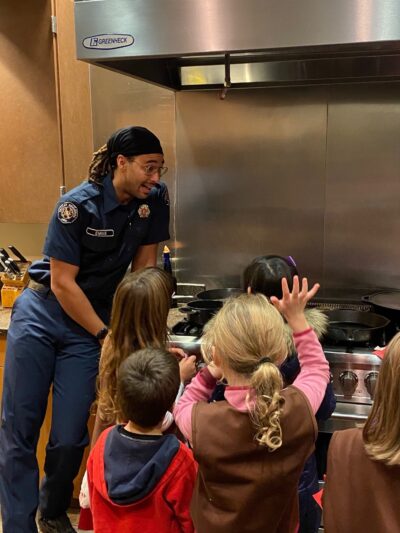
(345,416)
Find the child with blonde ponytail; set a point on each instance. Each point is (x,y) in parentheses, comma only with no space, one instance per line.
(251,447)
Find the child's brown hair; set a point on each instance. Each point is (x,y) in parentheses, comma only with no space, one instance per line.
(138,320)
(148,382)
(381,432)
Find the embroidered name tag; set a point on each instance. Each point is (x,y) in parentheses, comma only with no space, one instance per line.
(100,232)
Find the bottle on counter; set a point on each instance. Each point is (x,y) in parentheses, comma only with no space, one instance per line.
(167,267)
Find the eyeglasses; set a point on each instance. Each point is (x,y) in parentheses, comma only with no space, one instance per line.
(149,170)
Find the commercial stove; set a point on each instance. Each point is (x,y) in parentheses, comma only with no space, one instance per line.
(354,368)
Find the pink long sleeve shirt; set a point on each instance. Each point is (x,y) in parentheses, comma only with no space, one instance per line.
(312,380)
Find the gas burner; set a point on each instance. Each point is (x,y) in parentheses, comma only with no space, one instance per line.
(187,328)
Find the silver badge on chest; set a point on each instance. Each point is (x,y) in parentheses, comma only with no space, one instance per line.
(144,211)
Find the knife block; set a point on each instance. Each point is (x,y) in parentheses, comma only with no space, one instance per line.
(13,286)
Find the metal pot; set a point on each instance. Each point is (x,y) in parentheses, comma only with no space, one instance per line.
(356,327)
(201,311)
(219,294)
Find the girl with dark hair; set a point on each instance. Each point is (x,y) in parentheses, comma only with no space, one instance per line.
(263,275)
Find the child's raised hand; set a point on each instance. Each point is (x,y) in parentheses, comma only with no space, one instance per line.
(292,304)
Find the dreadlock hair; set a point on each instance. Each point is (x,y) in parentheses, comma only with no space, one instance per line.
(99,166)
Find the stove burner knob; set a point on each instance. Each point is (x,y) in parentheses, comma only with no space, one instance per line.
(370,381)
(348,381)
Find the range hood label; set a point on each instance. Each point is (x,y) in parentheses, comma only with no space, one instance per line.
(108,41)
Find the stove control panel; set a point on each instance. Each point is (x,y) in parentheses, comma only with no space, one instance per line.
(353,375)
(355,385)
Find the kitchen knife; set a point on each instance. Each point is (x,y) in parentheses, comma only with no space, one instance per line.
(13,266)
(6,269)
(4,252)
(17,253)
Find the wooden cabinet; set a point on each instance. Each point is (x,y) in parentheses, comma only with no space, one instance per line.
(45,431)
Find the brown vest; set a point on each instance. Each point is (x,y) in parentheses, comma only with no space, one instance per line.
(241,486)
(361,495)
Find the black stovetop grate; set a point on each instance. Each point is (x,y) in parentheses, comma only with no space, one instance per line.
(331,306)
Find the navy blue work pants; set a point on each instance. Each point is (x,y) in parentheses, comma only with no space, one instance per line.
(44,347)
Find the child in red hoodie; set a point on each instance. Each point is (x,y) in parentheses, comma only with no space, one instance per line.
(139,479)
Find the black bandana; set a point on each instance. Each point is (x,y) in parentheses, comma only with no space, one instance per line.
(131,141)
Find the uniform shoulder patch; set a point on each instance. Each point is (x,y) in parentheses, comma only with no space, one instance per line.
(67,213)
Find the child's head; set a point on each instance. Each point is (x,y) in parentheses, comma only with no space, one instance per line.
(382,430)
(140,309)
(249,339)
(138,320)
(264,274)
(148,382)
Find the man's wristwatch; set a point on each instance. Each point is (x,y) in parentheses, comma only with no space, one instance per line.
(102,333)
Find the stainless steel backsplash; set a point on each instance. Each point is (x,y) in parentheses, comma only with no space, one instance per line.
(307,172)
(312,172)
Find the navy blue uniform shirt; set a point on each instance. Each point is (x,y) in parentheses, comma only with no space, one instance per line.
(92,230)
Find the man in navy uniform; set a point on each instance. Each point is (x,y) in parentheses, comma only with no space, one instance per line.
(97,230)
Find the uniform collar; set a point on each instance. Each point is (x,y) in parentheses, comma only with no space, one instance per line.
(110,197)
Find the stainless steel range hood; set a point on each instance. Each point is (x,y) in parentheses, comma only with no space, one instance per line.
(202,44)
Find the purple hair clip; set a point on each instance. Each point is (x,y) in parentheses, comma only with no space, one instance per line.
(291,261)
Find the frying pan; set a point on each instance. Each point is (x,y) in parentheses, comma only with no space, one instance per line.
(201,311)
(353,327)
(387,303)
(218,294)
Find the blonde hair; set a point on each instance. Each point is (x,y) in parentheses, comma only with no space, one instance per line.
(381,432)
(138,320)
(248,335)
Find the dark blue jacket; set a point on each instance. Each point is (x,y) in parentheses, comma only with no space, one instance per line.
(290,368)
